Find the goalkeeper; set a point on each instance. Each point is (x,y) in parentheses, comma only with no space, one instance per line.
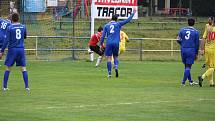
(94,47)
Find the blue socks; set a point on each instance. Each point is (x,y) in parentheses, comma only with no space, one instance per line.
(109,66)
(6,76)
(189,78)
(25,78)
(186,75)
(116,63)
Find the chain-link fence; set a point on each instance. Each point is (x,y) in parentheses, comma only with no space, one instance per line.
(71,18)
(76,48)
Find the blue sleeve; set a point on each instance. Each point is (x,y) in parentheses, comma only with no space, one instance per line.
(103,36)
(197,42)
(179,37)
(121,23)
(6,40)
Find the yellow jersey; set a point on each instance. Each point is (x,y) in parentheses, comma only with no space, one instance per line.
(209,36)
(123,39)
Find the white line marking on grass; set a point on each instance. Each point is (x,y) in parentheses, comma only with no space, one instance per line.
(121,103)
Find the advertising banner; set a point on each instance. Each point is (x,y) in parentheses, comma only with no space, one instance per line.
(104,9)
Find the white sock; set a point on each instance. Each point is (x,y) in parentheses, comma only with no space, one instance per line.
(99,60)
(92,57)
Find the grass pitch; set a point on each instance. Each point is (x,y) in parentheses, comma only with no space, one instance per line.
(76,91)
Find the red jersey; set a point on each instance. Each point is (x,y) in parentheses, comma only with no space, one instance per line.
(95,39)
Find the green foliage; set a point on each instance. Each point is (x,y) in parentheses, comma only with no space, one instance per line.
(203,8)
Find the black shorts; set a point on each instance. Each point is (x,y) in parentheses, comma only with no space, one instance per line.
(97,50)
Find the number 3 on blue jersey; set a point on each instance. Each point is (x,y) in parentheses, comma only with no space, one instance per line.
(187,35)
(112,29)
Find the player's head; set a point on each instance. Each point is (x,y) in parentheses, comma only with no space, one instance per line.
(191,22)
(15,17)
(114,17)
(210,20)
(100,29)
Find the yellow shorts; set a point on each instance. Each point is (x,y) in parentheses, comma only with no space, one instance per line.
(210,57)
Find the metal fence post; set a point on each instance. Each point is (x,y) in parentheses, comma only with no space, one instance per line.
(141,50)
(172,47)
(73,32)
(36,47)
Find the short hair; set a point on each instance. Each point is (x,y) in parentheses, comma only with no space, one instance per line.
(211,17)
(15,17)
(191,22)
(100,29)
(114,17)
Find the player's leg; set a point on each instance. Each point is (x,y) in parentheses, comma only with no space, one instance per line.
(116,65)
(209,60)
(91,55)
(112,61)
(91,51)
(185,76)
(108,54)
(116,61)
(25,77)
(100,53)
(189,57)
(210,79)
(212,65)
(99,60)
(109,65)
(208,74)
(190,61)
(121,51)
(6,77)
(21,61)
(186,73)
(9,61)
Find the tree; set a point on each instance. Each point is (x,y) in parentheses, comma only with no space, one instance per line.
(203,7)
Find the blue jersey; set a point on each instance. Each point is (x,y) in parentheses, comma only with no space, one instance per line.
(15,35)
(189,38)
(112,30)
(3,27)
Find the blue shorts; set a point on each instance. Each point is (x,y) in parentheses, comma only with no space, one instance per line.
(15,55)
(112,49)
(188,55)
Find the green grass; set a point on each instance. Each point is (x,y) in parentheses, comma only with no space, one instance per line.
(76,91)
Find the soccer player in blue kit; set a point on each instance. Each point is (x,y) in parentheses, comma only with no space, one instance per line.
(188,38)
(4,23)
(112,30)
(14,41)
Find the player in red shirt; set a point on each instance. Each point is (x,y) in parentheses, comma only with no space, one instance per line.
(94,47)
